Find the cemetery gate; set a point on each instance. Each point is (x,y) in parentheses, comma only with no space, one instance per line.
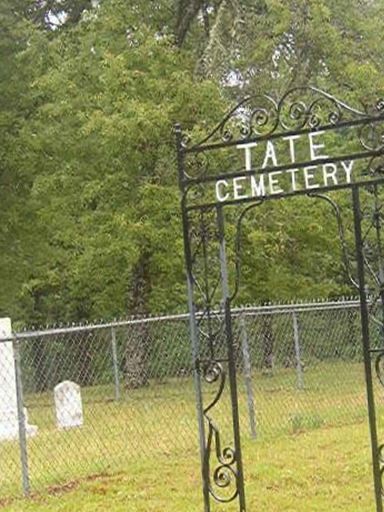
(307,144)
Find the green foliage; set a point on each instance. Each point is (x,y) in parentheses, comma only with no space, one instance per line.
(102,167)
(301,422)
(88,182)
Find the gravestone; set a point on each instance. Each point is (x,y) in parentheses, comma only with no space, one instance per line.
(9,422)
(69,408)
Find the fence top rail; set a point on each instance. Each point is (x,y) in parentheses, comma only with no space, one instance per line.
(297,308)
(250,310)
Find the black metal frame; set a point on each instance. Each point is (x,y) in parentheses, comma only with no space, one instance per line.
(301,111)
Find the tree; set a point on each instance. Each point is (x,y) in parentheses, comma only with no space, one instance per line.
(56,14)
(88,172)
(271,46)
(100,156)
(17,238)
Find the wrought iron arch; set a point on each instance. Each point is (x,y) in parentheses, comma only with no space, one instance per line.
(212,177)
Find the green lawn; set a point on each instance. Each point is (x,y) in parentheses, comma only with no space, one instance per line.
(312,451)
(326,470)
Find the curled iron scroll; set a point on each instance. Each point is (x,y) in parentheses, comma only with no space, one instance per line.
(299,108)
(224,475)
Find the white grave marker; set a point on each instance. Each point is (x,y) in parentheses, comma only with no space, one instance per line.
(69,408)
(9,425)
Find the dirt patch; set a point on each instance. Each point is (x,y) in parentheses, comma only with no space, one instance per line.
(57,490)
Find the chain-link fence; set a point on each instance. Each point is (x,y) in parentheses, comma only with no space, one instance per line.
(86,400)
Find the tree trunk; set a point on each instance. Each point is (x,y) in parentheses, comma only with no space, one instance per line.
(352,333)
(138,338)
(187,12)
(268,342)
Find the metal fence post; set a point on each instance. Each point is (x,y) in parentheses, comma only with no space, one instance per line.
(299,365)
(21,419)
(115,364)
(248,377)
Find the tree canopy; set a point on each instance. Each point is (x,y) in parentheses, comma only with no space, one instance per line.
(90,91)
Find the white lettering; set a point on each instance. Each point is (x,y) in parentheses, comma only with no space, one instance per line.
(238,187)
(221,184)
(313,147)
(293,172)
(331,173)
(258,189)
(292,152)
(309,176)
(260,185)
(248,155)
(274,182)
(348,170)
(270,154)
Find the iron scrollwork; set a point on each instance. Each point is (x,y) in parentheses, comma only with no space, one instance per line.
(224,475)
(220,460)
(372,256)
(298,109)
(379,368)
(261,118)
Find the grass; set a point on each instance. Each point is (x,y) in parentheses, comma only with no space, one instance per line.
(312,447)
(326,470)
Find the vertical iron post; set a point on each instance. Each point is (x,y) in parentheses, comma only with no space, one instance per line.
(366,348)
(296,337)
(193,324)
(231,360)
(21,419)
(248,377)
(115,364)
(377,221)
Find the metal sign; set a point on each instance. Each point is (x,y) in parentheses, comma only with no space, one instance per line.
(307,144)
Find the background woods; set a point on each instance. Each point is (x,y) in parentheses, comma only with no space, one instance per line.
(90,91)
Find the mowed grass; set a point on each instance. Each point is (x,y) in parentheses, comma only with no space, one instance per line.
(312,447)
(326,470)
